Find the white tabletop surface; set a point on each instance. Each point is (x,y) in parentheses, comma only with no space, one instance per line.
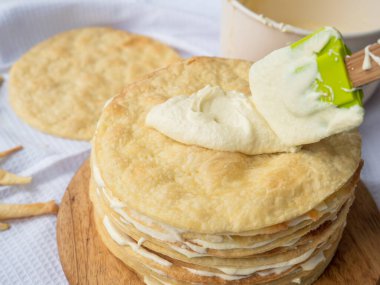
(28,251)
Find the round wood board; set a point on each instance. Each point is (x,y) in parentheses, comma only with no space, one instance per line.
(85,260)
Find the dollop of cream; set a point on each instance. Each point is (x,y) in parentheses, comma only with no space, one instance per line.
(216,119)
(283,91)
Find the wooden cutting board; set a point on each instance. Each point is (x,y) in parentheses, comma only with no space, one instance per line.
(85,260)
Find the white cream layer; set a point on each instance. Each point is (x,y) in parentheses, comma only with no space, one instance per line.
(195,248)
(123,240)
(297,280)
(282,266)
(228,273)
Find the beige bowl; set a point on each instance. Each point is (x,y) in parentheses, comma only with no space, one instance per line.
(246,34)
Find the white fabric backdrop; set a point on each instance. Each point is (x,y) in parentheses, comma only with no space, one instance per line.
(28,251)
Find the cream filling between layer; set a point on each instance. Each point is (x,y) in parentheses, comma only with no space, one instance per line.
(229,273)
(249,271)
(126,240)
(200,249)
(304,261)
(297,280)
(313,262)
(213,274)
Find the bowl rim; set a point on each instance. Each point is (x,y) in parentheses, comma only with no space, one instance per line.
(287,28)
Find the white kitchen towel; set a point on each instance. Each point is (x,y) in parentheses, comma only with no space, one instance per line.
(28,251)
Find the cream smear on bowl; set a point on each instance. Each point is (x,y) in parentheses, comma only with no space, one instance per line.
(348,16)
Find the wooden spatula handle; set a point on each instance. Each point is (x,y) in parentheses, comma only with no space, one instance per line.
(354,63)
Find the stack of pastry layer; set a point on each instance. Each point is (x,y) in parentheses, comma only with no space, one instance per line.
(179,214)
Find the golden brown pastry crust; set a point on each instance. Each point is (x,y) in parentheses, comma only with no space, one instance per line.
(60,85)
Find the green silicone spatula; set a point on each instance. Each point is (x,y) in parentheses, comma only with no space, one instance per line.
(341,73)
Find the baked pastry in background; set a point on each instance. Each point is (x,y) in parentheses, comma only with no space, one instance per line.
(180,214)
(61,84)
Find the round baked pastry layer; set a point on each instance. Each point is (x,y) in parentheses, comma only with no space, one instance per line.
(61,84)
(201,190)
